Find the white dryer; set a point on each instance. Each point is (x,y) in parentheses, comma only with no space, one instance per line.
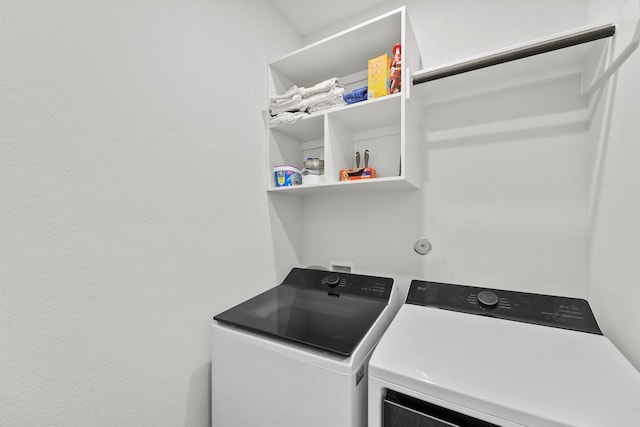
(297,354)
(461,355)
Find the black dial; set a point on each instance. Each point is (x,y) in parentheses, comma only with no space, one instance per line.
(487,298)
(333,280)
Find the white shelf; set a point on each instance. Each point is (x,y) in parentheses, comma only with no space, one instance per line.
(307,128)
(342,54)
(559,55)
(374,113)
(362,115)
(384,126)
(376,184)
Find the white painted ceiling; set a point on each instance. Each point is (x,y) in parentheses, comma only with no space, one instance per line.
(309,16)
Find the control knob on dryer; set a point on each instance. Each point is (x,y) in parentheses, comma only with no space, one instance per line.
(487,298)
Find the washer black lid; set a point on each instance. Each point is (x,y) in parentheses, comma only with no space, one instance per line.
(326,310)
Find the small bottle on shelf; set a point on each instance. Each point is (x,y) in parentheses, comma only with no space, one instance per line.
(396,69)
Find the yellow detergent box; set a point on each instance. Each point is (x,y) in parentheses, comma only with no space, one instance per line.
(379,76)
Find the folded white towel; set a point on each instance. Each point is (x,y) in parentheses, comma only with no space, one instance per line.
(287,117)
(293,90)
(286,105)
(291,106)
(320,87)
(301,99)
(286,101)
(325,105)
(333,95)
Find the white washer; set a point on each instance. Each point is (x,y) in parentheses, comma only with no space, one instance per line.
(461,355)
(297,354)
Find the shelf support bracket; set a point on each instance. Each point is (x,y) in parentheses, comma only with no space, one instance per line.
(615,64)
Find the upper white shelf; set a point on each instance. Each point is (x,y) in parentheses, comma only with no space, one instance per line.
(564,54)
(342,54)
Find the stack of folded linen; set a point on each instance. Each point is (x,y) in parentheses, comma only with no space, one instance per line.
(287,117)
(326,94)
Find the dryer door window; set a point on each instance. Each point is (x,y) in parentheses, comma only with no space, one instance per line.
(399,410)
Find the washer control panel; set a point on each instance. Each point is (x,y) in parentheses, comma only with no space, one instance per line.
(547,310)
(341,283)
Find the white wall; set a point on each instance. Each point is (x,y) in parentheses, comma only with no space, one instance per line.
(506,210)
(133,204)
(614,256)
(553,209)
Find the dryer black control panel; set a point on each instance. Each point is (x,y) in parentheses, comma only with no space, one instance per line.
(547,310)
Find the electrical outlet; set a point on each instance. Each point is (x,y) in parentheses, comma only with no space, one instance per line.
(341,266)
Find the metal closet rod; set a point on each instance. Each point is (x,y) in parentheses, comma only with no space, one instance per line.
(561,42)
